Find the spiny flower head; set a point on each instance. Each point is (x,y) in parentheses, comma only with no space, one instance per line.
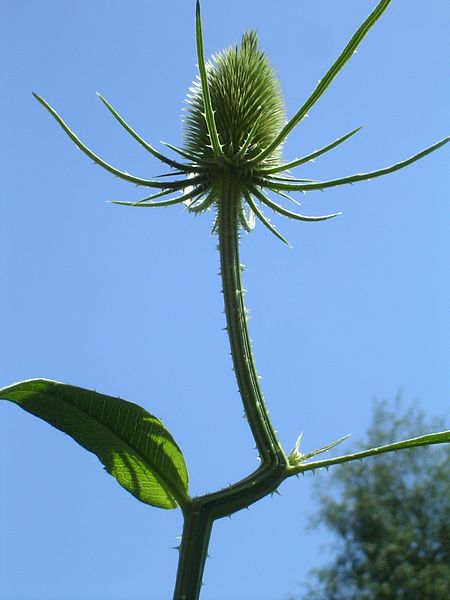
(247,104)
(234,128)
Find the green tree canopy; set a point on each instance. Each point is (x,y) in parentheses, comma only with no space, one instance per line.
(391,517)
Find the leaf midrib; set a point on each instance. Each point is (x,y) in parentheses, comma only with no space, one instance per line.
(179,496)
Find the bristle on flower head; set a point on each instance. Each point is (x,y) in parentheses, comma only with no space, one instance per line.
(247,103)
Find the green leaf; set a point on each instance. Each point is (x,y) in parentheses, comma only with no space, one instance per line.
(441,437)
(296,457)
(133,445)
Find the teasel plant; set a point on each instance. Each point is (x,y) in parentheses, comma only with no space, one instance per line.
(231,166)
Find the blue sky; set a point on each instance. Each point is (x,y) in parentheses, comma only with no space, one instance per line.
(128,302)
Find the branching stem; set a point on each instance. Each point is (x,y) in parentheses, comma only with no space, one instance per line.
(193,553)
(200,515)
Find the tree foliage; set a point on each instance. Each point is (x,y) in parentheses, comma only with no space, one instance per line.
(391,517)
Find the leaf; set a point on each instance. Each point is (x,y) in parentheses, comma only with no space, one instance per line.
(296,457)
(133,445)
(441,437)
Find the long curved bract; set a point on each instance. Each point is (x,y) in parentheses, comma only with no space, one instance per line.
(264,220)
(321,185)
(287,213)
(325,82)
(309,157)
(209,113)
(138,138)
(99,161)
(145,204)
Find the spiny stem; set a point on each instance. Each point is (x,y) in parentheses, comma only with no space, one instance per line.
(200,515)
(241,350)
(193,553)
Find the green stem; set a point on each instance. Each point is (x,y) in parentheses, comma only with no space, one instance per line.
(247,377)
(193,553)
(200,515)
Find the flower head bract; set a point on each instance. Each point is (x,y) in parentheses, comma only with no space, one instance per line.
(234,128)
